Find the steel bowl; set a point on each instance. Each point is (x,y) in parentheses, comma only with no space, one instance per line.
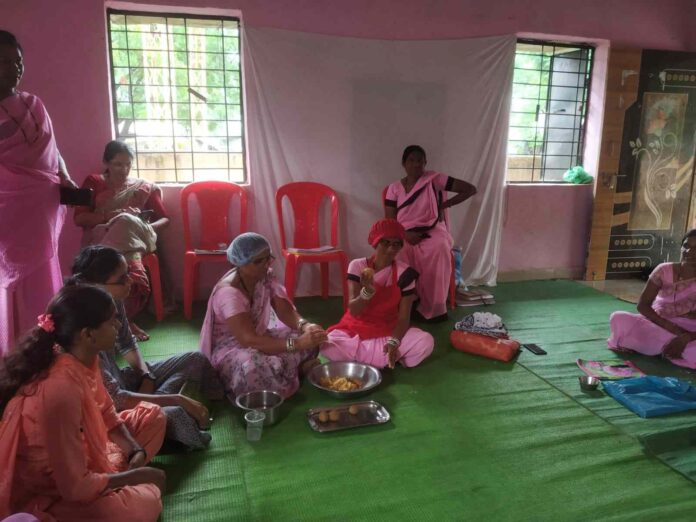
(263,400)
(588,383)
(368,375)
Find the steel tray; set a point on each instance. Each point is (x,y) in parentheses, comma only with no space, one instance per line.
(369,413)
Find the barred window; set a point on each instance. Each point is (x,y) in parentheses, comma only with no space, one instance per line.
(177,95)
(549,107)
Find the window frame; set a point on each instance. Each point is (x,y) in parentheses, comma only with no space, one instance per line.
(114,9)
(581,129)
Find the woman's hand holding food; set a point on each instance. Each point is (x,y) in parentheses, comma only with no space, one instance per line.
(311,338)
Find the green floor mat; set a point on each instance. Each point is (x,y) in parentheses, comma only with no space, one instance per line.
(574,324)
(470,438)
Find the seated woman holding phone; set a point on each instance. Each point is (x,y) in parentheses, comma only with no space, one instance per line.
(127,214)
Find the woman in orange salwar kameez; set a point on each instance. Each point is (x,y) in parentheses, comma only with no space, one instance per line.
(65,454)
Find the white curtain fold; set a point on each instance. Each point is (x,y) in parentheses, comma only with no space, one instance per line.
(340,111)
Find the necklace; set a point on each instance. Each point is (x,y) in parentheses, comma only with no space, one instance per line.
(36,122)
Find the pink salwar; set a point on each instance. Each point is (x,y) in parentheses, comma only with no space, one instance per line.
(674,301)
(416,345)
(30,214)
(243,369)
(419,210)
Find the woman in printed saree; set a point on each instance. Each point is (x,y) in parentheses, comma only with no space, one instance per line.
(127,215)
(376,327)
(249,352)
(31,218)
(157,382)
(65,454)
(666,322)
(417,201)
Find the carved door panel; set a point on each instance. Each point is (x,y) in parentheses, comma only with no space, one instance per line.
(652,202)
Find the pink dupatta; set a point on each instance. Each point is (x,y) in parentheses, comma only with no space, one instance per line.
(85,380)
(30,210)
(260,310)
(418,208)
(675,298)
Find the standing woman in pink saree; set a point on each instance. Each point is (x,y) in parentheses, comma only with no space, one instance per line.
(666,322)
(418,202)
(31,170)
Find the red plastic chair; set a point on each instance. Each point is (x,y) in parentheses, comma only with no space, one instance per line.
(151,264)
(305,199)
(453,283)
(214,200)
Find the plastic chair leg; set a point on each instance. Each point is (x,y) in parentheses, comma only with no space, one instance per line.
(189,285)
(290,277)
(344,279)
(453,288)
(151,262)
(324,280)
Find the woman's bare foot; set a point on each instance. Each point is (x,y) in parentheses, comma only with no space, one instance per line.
(139,333)
(307,366)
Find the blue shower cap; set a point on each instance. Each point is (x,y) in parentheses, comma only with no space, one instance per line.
(246,247)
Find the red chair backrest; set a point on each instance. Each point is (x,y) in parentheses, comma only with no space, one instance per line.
(305,199)
(214,200)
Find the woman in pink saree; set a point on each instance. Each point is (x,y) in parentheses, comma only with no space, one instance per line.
(418,202)
(127,215)
(251,350)
(31,218)
(666,322)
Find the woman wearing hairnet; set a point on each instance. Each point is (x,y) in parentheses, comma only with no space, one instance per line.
(248,352)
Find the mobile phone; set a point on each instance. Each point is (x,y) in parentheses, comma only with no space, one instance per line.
(534,348)
(76,197)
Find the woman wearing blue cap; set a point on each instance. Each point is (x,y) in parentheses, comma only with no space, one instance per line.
(250,353)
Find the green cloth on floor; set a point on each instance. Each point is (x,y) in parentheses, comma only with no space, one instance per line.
(469,439)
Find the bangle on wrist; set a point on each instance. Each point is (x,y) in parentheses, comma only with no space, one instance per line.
(364,294)
(135,452)
(394,342)
(290,344)
(301,323)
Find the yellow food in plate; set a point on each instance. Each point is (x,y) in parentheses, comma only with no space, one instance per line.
(340,383)
(334,415)
(353,409)
(323,417)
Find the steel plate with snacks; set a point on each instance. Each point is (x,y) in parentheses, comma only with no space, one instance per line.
(346,416)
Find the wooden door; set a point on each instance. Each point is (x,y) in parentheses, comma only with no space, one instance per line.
(644,191)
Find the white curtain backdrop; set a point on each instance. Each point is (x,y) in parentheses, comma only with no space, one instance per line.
(340,111)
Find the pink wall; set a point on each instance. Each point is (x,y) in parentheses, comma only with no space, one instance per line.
(545,230)
(66,65)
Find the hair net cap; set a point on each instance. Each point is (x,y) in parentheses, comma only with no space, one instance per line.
(385,228)
(246,247)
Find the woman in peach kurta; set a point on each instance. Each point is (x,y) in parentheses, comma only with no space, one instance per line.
(65,453)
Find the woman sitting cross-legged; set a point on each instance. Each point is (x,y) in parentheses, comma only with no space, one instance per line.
(666,322)
(65,453)
(250,353)
(376,327)
(160,382)
(119,219)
